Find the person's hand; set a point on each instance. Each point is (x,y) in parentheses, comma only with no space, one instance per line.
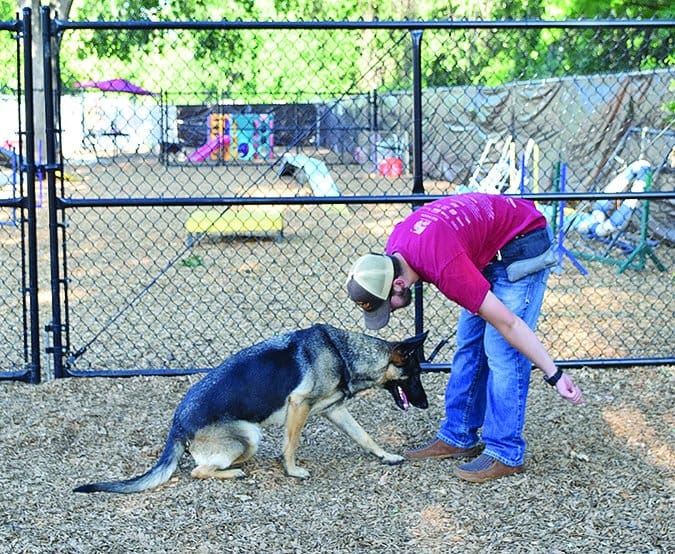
(568,390)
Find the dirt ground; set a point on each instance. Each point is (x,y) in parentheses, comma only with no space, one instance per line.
(599,477)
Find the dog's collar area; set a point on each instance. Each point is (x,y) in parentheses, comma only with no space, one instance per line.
(345,374)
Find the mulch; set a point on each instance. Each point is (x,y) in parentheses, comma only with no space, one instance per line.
(599,477)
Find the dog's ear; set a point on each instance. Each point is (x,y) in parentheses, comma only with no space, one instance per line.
(411,347)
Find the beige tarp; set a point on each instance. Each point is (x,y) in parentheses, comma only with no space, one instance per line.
(577,120)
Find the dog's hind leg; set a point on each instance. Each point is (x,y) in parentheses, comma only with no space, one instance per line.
(212,472)
(216,448)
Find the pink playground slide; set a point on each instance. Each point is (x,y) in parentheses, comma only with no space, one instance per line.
(204,151)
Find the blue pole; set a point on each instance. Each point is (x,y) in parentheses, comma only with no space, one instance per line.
(561,227)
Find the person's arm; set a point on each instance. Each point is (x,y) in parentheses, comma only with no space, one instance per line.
(522,338)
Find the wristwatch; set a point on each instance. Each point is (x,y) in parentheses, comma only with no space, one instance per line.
(553,379)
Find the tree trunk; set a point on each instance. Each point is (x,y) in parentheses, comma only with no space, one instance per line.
(62,9)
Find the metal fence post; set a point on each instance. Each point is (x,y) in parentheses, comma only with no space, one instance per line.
(34,365)
(50,143)
(418,178)
(418,185)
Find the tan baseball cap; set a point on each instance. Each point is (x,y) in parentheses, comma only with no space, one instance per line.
(369,285)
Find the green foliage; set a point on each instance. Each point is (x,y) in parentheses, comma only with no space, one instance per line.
(8,50)
(617,9)
(670,106)
(248,62)
(8,10)
(215,51)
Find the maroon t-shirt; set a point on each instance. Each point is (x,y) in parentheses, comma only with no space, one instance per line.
(449,242)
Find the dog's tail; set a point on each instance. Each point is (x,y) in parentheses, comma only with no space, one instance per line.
(160,473)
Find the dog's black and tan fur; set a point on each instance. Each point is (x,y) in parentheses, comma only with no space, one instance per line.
(281,380)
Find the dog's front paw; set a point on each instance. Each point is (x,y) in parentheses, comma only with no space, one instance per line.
(392,459)
(298,472)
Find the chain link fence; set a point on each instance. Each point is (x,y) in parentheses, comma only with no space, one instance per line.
(17,345)
(215,181)
(183,284)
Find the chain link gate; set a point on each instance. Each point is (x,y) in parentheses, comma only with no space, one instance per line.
(191,218)
(19,325)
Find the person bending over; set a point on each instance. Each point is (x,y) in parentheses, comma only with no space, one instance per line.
(491,255)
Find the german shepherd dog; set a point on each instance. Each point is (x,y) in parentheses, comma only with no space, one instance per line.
(281,380)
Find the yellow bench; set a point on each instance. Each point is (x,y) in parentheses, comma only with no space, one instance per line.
(237,221)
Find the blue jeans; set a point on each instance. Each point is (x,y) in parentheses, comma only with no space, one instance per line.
(490,379)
